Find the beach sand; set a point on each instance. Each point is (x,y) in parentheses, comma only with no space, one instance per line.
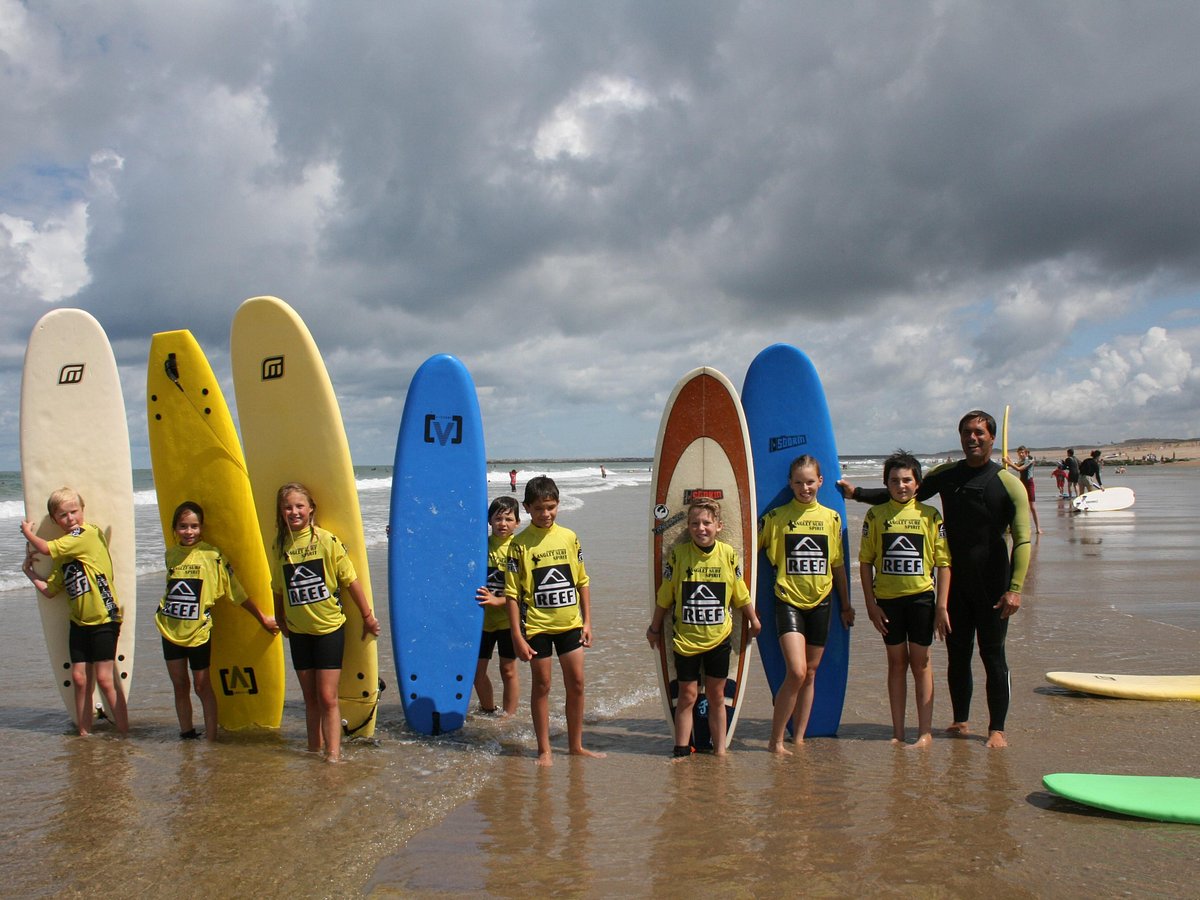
(411,816)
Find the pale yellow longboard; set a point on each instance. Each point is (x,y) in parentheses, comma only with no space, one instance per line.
(74,434)
(1130,687)
(196,455)
(292,431)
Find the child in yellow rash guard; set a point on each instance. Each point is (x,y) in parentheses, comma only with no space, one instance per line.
(903,546)
(311,570)
(503,516)
(803,541)
(549,608)
(83,566)
(701,580)
(197,577)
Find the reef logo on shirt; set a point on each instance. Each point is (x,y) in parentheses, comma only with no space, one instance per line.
(75,579)
(183,599)
(553,587)
(703,603)
(903,554)
(806,554)
(306,582)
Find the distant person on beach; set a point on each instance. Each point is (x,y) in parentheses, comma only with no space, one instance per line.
(803,541)
(1024,469)
(512,480)
(980,502)
(701,580)
(603,473)
(83,566)
(549,610)
(1060,480)
(1071,464)
(503,517)
(903,560)
(311,573)
(197,577)
(1089,474)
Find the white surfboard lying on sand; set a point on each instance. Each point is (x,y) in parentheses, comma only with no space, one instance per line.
(1104,499)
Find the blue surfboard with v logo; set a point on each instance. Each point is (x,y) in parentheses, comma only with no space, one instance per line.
(787,416)
(437,545)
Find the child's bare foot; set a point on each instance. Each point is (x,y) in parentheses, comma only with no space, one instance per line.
(778,747)
(897,741)
(333,759)
(924,740)
(958,729)
(996,740)
(590,754)
(546,760)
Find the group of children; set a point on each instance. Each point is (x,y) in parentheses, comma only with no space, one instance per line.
(904,567)
(310,573)
(537,603)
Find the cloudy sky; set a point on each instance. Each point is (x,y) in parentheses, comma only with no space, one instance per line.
(945,204)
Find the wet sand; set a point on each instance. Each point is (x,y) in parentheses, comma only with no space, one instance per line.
(405,816)
(855,815)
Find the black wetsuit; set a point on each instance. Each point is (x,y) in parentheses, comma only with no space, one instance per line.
(978,506)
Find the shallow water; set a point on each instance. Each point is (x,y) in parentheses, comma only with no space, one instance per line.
(409,815)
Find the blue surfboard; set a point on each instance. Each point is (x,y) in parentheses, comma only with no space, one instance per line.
(787,416)
(437,546)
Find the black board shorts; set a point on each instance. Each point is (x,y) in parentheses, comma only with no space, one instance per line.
(93,643)
(318,651)
(715,663)
(199,658)
(812,623)
(493,639)
(910,619)
(546,645)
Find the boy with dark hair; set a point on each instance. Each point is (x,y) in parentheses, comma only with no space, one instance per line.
(549,609)
(903,544)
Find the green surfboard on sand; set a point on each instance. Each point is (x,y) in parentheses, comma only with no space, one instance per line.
(1161,797)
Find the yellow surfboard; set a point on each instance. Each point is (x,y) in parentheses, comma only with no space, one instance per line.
(196,455)
(292,431)
(1130,687)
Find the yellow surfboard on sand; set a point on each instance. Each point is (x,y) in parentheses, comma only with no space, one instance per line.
(196,455)
(1130,687)
(292,431)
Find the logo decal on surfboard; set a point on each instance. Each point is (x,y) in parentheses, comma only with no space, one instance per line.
(690,494)
(443,429)
(71,373)
(272,368)
(239,680)
(786,442)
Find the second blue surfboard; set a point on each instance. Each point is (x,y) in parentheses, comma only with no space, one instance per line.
(437,548)
(787,416)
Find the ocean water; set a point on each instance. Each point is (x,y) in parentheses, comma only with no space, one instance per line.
(408,815)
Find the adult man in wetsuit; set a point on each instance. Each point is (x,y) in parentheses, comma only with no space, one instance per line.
(980,502)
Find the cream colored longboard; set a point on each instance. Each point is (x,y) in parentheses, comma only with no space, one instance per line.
(703,450)
(292,431)
(74,434)
(1130,687)
(197,456)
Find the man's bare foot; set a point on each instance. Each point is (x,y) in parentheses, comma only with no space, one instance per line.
(778,747)
(546,760)
(958,729)
(924,740)
(996,740)
(590,754)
